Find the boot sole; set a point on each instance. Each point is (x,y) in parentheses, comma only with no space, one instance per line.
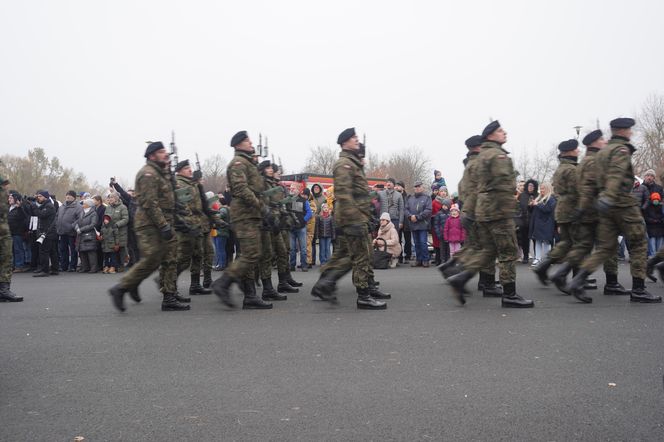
(256,307)
(509,305)
(288,291)
(174,309)
(580,297)
(645,301)
(612,293)
(541,278)
(370,307)
(17,299)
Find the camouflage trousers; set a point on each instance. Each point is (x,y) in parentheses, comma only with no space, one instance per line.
(248,235)
(285,237)
(472,244)
(370,249)
(156,253)
(265,261)
(562,247)
(279,252)
(585,238)
(626,221)
(189,253)
(498,240)
(6,259)
(351,252)
(207,257)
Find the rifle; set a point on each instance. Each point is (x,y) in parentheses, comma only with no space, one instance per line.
(262,151)
(198,173)
(181,195)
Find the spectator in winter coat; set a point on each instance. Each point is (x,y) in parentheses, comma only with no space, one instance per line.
(47,235)
(391,202)
(325,229)
(110,240)
(418,212)
(68,215)
(18,228)
(87,237)
(298,234)
(319,196)
(438,181)
(654,223)
(405,237)
(311,229)
(128,200)
(440,246)
(641,193)
(542,222)
(453,232)
(120,217)
(389,234)
(526,200)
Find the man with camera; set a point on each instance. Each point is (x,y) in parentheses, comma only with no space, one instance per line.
(45,212)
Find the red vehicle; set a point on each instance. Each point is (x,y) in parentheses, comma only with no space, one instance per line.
(325,181)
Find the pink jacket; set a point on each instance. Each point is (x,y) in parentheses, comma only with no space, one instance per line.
(391,237)
(453,232)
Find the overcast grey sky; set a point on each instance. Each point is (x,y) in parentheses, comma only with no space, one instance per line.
(90,81)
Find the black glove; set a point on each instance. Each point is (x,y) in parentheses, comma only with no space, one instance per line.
(166,232)
(603,205)
(466,221)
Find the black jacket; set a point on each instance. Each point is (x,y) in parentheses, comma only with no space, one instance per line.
(46,214)
(18,221)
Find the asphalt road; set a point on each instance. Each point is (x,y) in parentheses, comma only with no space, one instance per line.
(424,369)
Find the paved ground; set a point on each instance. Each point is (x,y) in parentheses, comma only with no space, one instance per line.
(425,369)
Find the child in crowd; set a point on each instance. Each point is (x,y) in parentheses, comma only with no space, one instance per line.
(110,237)
(389,234)
(325,231)
(439,220)
(453,232)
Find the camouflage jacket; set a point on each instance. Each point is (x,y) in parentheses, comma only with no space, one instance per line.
(496,182)
(4,214)
(615,175)
(586,181)
(468,185)
(154,197)
(246,185)
(192,210)
(351,191)
(564,186)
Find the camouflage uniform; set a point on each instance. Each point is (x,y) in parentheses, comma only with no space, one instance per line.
(494,210)
(155,210)
(6,256)
(190,243)
(565,187)
(615,178)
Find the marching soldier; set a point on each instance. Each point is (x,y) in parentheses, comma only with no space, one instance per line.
(247,212)
(190,242)
(6,257)
(352,217)
(494,215)
(285,223)
(565,187)
(586,219)
(468,197)
(619,214)
(153,224)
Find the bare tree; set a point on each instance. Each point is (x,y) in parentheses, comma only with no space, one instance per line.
(214,173)
(539,165)
(321,160)
(409,165)
(650,136)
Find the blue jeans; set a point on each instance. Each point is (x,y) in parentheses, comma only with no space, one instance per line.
(220,251)
(654,244)
(421,247)
(68,253)
(18,252)
(298,235)
(324,249)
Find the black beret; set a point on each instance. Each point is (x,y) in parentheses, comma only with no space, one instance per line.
(239,137)
(400,183)
(345,135)
(474,141)
(182,164)
(622,123)
(264,165)
(490,128)
(592,137)
(153,147)
(568,145)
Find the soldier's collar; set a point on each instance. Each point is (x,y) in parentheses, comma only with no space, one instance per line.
(621,138)
(161,168)
(247,155)
(492,144)
(569,158)
(472,153)
(350,154)
(592,149)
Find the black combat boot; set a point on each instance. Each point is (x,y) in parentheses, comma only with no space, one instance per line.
(6,295)
(613,287)
(366,302)
(269,293)
(171,304)
(541,270)
(183,299)
(640,294)
(251,300)
(222,288)
(481,280)
(133,294)
(325,287)
(512,300)
(650,268)
(375,292)
(458,283)
(491,288)
(447,264)
(291,281)
(284,286)
(195,288)
(576,287)
(207,278)
(560,277)
(117,294)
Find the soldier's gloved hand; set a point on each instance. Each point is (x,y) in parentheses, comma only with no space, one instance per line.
(166,232)
(603,205)
(466,221)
